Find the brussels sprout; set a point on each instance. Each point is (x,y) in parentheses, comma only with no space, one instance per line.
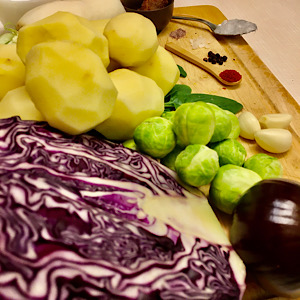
(235,125)
(169,159)
(155,137)
(197,165)
(130,144)
(265,165)
(194,123)
(229,184)
(230,151)
(169,115)
(222,124)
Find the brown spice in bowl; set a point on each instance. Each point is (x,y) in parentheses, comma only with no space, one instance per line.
(153,4)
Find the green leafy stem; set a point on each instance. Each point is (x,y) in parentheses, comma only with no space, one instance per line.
(10,36)
(182,93)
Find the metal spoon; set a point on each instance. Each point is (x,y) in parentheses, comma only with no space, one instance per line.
(227,27)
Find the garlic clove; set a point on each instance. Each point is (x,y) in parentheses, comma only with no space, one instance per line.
(248,125)
(274,140)
(275,120)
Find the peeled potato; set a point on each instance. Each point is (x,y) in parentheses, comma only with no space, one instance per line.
(99,25)
(17,102)
(162,68)
(12,69)
(69,85)
(139,98)
(113,65)
(132,39)
(62,26)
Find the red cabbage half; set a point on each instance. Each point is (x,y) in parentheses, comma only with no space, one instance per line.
(72,224)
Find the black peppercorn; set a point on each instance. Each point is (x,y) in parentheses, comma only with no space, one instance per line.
(215,58)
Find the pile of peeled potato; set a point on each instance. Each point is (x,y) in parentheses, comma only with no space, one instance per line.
(79,74)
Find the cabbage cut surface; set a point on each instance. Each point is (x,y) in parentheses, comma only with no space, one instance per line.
(72,226)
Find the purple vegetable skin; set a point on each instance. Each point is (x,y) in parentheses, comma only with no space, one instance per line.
(71,226)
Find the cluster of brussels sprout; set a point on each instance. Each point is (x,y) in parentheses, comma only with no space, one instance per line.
(199,142)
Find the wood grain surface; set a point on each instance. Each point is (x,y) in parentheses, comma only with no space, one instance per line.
(276,41)
(259,92)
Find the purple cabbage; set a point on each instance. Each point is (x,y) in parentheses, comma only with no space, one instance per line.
(71,226)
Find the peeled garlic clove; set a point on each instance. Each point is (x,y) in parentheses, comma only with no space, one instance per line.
(248,125)
(275,120)
(274,140)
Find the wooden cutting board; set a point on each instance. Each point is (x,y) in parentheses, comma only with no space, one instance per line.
(259,92)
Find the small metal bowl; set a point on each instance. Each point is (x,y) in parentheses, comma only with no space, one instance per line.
(160,17)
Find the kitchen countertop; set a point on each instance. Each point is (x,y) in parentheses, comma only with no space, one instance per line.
(277,40)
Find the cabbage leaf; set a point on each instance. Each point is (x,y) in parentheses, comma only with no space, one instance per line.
(72,224)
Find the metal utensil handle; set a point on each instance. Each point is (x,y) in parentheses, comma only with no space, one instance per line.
(209,24)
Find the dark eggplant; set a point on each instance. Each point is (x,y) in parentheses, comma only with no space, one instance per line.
(265,232)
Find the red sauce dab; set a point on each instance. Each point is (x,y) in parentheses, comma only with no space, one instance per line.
(230,75)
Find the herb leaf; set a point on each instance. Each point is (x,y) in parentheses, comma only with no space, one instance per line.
(224,103)
(182,71)
(181,94)
(177,96)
